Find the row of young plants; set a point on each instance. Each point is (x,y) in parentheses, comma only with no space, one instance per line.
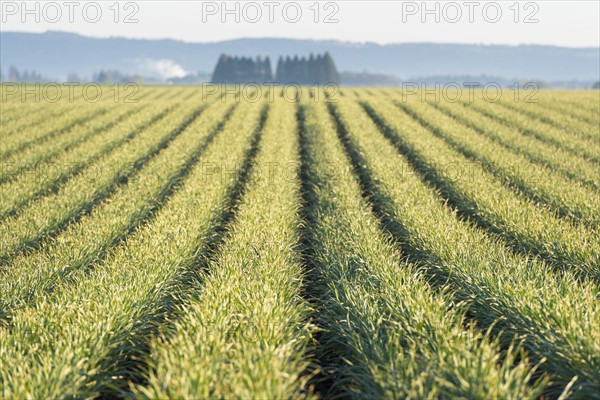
(541,184)
(585,148)
(18,117)
(82,244)
(556,318)
(50,129)
(47,215)
(89,338)
(21,116)
(37,154)
(41,151)
(580,105)
(384,332)
(45,177)
(43,168)
(572,167)
(44,121)
(13,112)
(575,127)
(245,335)
(484,198)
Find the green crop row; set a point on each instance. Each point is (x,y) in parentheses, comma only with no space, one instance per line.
(335,245)
(483,197)
(587,149)
(36,275)
(572,167)
(48,130)
(567,123)
(37,154)
(90,336)
(385,333)
(246,335)
(539,183)
(582,106)
(46,215)
(44,178)
(557,319)
(17,118)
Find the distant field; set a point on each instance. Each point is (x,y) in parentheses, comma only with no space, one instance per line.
(300,244)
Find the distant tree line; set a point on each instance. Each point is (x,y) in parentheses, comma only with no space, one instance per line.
(307,71)
(103,76)
(15,75)
(114,76)
(242,69)
(303,71)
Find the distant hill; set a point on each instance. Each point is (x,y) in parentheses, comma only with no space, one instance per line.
(56,54)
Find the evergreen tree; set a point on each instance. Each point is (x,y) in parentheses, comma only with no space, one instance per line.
(13,74)
(280,73)
(224,70)
(331,74)
(267,72)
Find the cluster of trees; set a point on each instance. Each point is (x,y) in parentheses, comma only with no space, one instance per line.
(303,71)
(307,71)
(242,69)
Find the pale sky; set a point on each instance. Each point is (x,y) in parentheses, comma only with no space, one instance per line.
(562,23)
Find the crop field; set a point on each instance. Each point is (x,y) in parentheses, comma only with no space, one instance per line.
(299,243)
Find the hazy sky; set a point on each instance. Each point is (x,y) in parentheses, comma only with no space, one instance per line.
(564,23)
